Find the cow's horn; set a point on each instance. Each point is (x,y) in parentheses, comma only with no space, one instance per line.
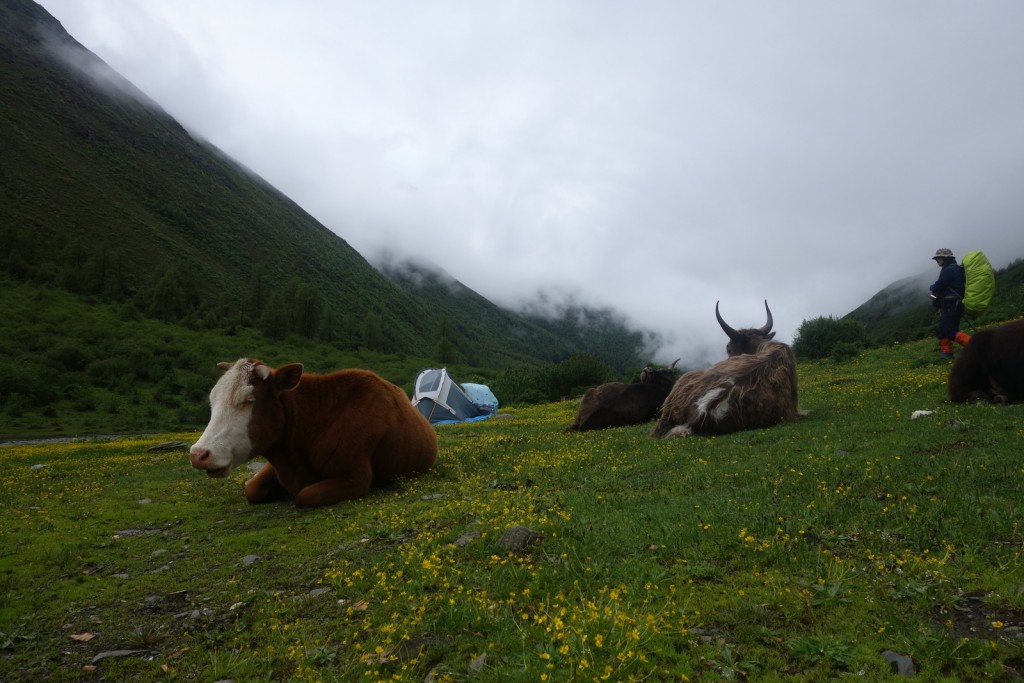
(674,363)
(768,325)
(728,330)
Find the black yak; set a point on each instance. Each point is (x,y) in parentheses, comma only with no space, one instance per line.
(617,404)
(990,367)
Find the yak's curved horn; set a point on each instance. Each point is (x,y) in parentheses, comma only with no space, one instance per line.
(672,367)
(768,325)
(728,330)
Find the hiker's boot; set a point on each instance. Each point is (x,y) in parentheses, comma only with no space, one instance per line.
(962,338)
(946,348)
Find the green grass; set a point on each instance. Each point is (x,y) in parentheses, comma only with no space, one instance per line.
(796,553)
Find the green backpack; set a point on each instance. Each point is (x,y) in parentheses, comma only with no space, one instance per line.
(981,282)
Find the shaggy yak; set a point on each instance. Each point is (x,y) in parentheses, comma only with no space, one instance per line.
(617,404)
(326,438)
(991,367)
(754,387)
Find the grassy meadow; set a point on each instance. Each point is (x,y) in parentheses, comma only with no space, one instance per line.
(797,553)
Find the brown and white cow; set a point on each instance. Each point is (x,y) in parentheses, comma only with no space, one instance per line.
(326,438)
(617,404)
(754,387)
(991,367)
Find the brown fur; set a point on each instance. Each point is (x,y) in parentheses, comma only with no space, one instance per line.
(331,437)
(754,390)
(991,367)
(617,404)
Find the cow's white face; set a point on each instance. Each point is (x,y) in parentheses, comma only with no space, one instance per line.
(225,442)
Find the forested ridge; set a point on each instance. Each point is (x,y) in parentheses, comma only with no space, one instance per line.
(134,256)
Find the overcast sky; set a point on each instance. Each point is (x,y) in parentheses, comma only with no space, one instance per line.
(653,157)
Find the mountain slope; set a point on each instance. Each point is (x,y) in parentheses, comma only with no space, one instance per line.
(108,196)
(902,310)
(600,333)
(104,173)
(474,327)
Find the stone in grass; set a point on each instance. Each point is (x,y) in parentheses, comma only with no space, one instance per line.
(518,538)
(466,538)
(315,593)
(168,446)
(118,653)
(901,664)
(478,664)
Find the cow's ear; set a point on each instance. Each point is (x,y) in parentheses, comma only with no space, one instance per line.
(287,376)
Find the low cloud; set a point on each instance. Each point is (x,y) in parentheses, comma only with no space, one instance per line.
(651,162)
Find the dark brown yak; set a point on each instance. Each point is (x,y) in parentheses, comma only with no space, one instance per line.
(747,340)
(754,387)
(991,367)
(617,404)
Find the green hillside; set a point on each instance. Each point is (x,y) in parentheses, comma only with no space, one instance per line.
(903,312)
(458,310)
(106,196)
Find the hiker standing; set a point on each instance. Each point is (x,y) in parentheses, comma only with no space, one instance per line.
(948,297)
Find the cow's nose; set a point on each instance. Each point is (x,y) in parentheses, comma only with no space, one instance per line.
(200,458)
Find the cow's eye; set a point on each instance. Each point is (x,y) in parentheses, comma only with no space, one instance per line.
(250,399)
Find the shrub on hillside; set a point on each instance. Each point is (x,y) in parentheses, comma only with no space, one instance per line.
(28,386)
(551,381)
(116,372)
(844,351)
(518,385)
(829,337)
(577,373)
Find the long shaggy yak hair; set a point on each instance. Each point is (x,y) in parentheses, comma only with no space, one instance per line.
(750,391)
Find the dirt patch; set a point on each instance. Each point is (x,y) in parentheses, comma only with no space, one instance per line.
(970,617)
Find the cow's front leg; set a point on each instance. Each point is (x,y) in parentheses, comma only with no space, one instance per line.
(355,483)
(264,487)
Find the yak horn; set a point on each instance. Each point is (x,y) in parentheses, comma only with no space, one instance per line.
(671,367)
(768,325)
(728,330)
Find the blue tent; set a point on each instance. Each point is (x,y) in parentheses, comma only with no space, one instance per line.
(441,400)
(481,396)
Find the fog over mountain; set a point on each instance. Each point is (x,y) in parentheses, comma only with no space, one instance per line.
(902,295)
(651,160)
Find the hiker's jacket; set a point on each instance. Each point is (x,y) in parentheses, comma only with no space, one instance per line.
(950,285)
